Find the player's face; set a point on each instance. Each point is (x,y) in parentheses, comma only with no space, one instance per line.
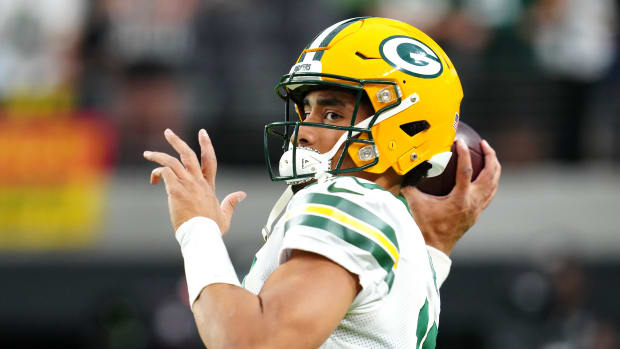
(330,107)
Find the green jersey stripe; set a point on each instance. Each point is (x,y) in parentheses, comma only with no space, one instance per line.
(377,186)
(353,210)
(422,324)
(431,338)
(430,262)
(350,236)
(389,279)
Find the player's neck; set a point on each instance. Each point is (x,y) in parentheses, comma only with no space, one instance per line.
(388,180)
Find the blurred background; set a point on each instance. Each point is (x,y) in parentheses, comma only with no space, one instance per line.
(87,257)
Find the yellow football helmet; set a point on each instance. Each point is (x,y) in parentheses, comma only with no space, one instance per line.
(410,82)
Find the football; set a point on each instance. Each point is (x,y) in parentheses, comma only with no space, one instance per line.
(442,185)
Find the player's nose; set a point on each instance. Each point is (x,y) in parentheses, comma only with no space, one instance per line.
(307,135)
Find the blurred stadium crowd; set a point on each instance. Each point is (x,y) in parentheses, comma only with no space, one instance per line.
(86,86)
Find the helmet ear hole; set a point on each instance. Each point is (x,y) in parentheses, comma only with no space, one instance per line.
(415,127)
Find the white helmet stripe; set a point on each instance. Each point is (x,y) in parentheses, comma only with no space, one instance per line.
(327,33)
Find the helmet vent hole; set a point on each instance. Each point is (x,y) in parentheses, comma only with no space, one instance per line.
(404,81)
(413,128)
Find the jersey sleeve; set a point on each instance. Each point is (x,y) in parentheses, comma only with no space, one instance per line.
(441,264)
(335,220)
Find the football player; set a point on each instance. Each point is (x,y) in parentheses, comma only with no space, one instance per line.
(373,106)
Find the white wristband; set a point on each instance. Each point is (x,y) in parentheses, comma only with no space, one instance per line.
(205,256)
(441,263)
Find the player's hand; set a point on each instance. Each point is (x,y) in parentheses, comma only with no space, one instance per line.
(444,219)
(190,184)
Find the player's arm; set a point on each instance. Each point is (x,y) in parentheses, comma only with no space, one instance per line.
(444,219)
(299,306)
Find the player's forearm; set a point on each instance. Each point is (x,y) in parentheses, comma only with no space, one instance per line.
(219,304)
(228,316)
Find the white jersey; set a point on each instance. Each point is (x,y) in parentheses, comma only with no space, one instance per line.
(371,233)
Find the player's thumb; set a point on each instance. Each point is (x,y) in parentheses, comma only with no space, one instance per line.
(230,202)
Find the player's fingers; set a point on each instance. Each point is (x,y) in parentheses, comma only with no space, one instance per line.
(167,161)
(492,169)
(488,180)
(489,198)
(464,168)
(487,150)
(187,155)
(229,204)
(490,157)
(207,157)
(155,176)
(166,173)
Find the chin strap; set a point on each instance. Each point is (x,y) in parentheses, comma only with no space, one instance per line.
(277,211)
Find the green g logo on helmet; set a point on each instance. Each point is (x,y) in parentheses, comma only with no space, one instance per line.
(411,56)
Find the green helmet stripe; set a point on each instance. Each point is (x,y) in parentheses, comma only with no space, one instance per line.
(330,37)
(327,36)
(303,56)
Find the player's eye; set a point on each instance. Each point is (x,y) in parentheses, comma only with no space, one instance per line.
(332,117)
